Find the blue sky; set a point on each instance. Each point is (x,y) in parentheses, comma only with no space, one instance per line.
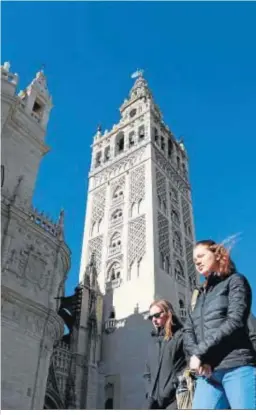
(200,62)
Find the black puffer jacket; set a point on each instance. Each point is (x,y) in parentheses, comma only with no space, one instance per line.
(165,360)
(216,330)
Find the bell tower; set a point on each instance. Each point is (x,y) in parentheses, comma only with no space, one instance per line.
(139,225)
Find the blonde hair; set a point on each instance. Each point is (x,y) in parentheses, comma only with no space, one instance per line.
(167,308)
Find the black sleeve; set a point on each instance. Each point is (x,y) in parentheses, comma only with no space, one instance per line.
(147,378)
(189,338)
(178,365)
(240,298)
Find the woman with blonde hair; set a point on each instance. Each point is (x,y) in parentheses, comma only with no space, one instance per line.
(166,359)
(216,334)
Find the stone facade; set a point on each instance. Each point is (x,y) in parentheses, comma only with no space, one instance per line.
(35,258)
(139,226)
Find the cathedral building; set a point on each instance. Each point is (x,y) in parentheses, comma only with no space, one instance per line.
(137,247)
(35,258)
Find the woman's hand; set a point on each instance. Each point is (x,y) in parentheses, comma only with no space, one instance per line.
(194,363)
(205,370)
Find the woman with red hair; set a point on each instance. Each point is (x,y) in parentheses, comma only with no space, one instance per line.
(216,335)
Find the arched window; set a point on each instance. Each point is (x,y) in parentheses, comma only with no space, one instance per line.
(117,215)
(107,153)
(164,207)
(178,162)
(177,243)
(181,304)
(179,272)
(115,243)
(131,138)
(114,272)
(118,194)
(162,143)
(98,159)
(170,146)
(119,142)
(159,201)
(156,136)
(141,132)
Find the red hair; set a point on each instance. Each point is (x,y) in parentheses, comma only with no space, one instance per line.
(226,265)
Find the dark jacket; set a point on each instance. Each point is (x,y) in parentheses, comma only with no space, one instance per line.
(166,359)
(216,330)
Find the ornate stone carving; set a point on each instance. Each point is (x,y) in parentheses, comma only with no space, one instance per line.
(161,191)
(117,190)
(136,239)
(98,204)
(171,173)
(163,234)
(125,163)
(95,246)
(137,184)
(29,266)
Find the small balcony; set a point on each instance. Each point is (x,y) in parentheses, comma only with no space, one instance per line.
(110,325)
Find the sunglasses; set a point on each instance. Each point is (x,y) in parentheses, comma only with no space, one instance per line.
(156,315)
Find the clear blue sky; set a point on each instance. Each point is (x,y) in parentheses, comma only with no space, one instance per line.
(200,62)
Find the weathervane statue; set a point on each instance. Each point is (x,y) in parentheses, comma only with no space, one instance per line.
(138,73)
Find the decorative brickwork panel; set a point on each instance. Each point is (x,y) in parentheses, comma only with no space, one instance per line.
(161,185)
(95,246)
(98,204)
(163,234)
(136,239)
(186,218)
(137,184)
